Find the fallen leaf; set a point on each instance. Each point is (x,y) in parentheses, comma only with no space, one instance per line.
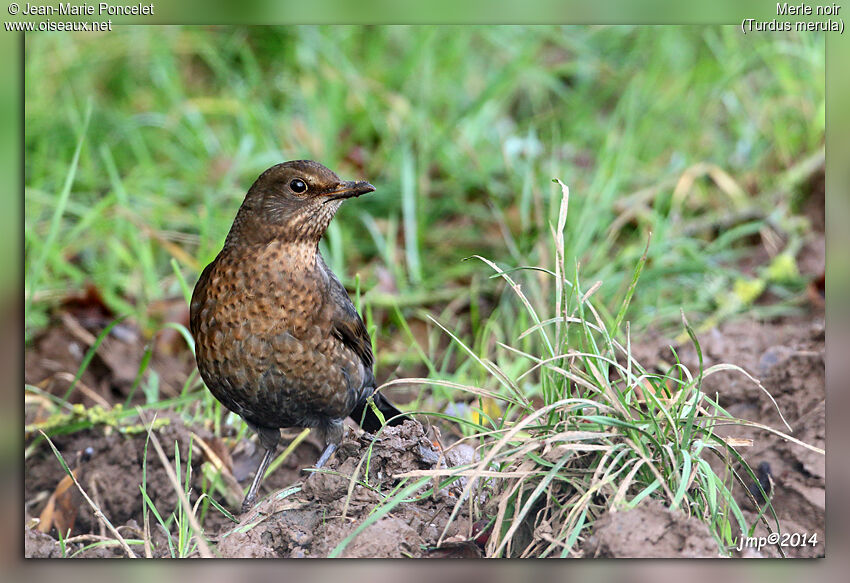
(64,504)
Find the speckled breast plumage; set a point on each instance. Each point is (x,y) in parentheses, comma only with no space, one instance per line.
(262,319)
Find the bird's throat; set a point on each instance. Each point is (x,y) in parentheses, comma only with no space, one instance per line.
(302,230)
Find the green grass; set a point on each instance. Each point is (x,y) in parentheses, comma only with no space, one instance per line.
(141,144)
(460,128)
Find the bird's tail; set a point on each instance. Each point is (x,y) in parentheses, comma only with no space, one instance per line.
(365,416)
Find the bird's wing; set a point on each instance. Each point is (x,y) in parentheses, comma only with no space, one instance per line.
(347,324)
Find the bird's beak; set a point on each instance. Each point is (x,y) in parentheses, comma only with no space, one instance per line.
(349,189)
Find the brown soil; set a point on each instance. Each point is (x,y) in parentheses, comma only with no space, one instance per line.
(112,478)
(304,517)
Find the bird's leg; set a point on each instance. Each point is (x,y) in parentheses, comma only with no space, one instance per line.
(255,485)
(326,454)
(268,439)
(332,432)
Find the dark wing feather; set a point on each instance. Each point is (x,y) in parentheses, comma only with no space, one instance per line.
(347,324)
(349,328)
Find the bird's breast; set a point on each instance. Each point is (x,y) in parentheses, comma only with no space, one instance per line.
(271,289)
(263,331)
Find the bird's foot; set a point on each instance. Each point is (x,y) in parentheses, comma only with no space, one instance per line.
(248,502)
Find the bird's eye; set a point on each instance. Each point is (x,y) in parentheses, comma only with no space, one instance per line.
(298,186)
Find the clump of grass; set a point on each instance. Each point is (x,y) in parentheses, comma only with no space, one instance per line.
(603,432)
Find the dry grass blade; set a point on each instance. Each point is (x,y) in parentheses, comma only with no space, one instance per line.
(720,177)
(785,436)
(351,483)
(560,275)
(469,473)
(721,367)
(737,441)
(87,538)
(232,485)
(576,378)
(652,468)
(146,535)
(85,389)
(589,293)
(620,495)
(451,385)
(573,436)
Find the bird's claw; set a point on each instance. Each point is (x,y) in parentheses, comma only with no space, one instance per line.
(247,503)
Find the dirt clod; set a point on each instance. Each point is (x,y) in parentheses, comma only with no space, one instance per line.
(651,530)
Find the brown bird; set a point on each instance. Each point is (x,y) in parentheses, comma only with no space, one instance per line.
(277,338)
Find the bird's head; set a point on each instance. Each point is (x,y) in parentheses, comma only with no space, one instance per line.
(293,201)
